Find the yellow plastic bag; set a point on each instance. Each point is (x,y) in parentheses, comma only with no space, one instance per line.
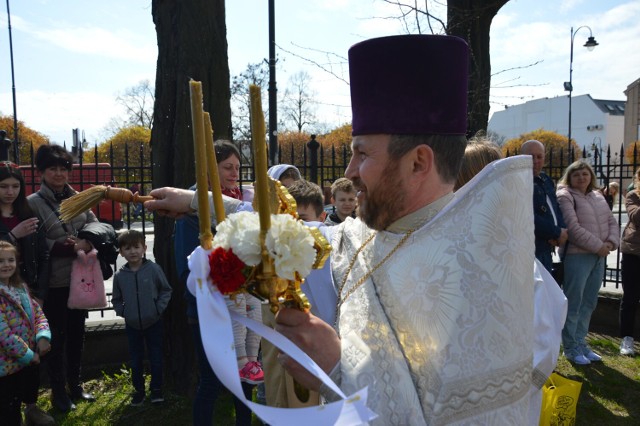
(559,401)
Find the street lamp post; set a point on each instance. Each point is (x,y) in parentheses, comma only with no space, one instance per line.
(568,85)
(273,91)
(5,143)
(16,140)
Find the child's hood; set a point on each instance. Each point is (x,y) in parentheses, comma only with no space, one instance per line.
(125,268)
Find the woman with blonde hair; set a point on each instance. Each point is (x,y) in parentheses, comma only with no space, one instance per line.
(593,234)
(478,153)
(630,248)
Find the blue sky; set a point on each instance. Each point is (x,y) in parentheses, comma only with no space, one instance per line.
(73,57)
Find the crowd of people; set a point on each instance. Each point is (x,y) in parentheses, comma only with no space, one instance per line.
(35,290)
(436,265)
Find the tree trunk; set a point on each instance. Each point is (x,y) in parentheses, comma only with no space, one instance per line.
(471,20)
(192,43)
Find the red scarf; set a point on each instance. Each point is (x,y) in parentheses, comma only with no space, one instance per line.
(233,193)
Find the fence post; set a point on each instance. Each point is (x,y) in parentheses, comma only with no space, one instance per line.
(313,146)
(4,146)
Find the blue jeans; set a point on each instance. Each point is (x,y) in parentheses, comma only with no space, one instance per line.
(209,388)
(152,336)
(583,274)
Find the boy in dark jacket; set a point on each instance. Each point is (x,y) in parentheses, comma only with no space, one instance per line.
(140,295)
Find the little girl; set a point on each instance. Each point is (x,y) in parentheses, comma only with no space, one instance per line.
(24,337)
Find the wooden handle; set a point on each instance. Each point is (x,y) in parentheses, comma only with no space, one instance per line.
(123,195)
(137,198)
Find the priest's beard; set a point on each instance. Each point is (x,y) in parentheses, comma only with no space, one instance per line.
(382,205)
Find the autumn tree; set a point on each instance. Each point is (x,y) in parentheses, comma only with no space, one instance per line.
(129,149)
(28,138)
(298,106)
(337,152)
(632,153)
(555,144)
(293,146)
(192,43)
(338,137)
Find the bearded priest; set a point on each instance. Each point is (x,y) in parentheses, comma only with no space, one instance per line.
(435,290)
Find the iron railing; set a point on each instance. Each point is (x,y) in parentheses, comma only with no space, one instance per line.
(329,164)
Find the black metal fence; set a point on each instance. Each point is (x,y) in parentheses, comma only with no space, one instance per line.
(318,164)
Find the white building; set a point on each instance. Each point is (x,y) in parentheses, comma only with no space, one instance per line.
(593,120)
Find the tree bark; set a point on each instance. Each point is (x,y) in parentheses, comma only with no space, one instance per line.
(471,20)
(192,44)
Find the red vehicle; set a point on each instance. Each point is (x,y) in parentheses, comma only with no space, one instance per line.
(82,178)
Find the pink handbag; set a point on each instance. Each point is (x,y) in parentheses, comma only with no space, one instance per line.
(86,290)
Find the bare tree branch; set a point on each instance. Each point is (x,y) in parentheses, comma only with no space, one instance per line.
(138,104)
(317,64)
(298,104)
(518,68)
(407,10)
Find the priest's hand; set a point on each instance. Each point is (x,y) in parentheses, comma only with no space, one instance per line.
(172,202)
(315,337)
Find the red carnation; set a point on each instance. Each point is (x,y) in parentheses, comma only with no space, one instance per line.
(226,270)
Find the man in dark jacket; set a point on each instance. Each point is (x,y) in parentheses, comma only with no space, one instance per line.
(550,229)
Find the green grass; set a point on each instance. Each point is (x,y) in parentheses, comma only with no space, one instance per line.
(610,396)
(111,407)
(610,392)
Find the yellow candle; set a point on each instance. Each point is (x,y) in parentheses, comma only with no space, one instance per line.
(199,142)
(260,167)
(212,163)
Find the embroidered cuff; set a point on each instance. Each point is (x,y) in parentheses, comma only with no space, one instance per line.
(336,377)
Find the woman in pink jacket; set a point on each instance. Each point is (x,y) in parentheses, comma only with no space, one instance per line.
(593,234)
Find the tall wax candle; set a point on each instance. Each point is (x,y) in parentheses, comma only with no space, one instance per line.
(197,120)
(260,157)
(260,167)
(212,165)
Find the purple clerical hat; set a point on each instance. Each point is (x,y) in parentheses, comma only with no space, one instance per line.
(409,84)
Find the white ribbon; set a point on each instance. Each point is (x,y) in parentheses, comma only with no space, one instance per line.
(217,339)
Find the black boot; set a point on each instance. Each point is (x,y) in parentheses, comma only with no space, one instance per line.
(60,400)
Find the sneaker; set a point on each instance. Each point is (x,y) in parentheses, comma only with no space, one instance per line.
(34,416)
(578,359)
(626,347)
(591,355)
(137,399)
(156,396)
(252,373)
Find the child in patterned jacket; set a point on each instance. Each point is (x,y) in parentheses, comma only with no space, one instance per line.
(24,337)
